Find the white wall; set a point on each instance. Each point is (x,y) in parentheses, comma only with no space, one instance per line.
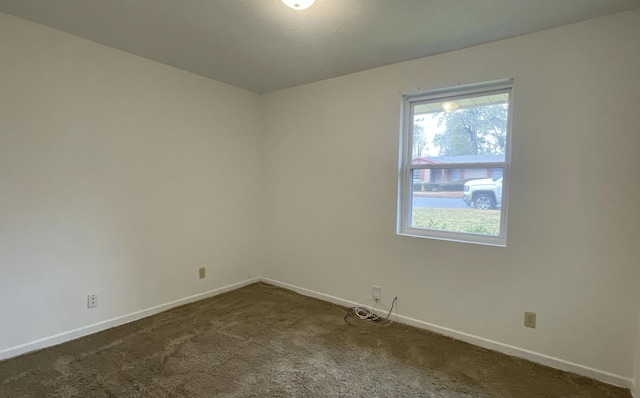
(573,221)
(119,176)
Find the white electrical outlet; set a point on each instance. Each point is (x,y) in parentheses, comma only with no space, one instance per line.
(530,319)
(92,300)
(202,273)
(377,292)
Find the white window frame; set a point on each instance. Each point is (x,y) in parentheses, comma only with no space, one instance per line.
(405,174)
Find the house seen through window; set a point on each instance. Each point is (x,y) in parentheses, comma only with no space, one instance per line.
(454,164)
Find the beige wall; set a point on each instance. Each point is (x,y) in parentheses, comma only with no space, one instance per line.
(119,176)
(572,250)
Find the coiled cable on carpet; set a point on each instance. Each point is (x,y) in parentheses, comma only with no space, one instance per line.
(368,314)
(360,311)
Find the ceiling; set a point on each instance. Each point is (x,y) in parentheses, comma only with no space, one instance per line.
(263,46)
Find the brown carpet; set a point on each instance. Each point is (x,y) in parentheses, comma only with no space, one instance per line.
(269,342)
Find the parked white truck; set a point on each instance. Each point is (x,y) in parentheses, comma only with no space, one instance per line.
(484,194)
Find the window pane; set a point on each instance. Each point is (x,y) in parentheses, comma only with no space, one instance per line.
(460,130)
(457,200)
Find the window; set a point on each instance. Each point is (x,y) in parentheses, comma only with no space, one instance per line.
(454,163)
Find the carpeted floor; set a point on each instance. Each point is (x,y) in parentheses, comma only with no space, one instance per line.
(269,342)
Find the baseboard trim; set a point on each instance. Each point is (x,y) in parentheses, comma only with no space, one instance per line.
(117,321)
(543,359)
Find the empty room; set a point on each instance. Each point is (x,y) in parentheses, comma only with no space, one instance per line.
(361,198)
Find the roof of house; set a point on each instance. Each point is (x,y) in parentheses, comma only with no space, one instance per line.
(459,159)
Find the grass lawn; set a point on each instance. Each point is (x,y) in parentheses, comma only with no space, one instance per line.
(485,222)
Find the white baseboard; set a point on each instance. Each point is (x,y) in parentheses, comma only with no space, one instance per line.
(466,337)
(121,320)
(543,359)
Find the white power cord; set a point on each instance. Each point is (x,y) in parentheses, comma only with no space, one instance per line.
(368,313)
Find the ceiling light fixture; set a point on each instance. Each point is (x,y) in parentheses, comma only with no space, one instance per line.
(450,106)
(299,4)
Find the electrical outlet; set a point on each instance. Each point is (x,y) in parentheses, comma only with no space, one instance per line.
(92,300)
(377,292)
(202,272)
(530,319)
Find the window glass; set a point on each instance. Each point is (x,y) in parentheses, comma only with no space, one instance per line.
(455,152)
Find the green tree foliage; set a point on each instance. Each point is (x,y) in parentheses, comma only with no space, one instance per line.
(480,130)
(419,139)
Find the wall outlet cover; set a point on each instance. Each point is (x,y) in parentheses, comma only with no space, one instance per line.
(530,319)
(377,292)
(92,300)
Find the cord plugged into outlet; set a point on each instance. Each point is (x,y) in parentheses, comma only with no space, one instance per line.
(377,293)
(368,313)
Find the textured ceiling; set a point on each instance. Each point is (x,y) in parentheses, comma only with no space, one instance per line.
(262,46)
